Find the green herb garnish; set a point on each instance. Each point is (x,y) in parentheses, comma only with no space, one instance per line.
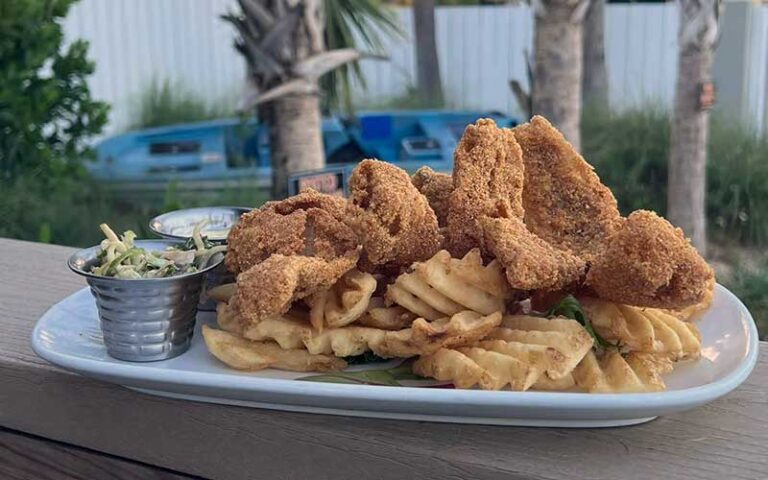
(569,307)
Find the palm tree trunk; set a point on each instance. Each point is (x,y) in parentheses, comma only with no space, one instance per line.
(558,65)
(595,78)
(427,63)
(296,139)
(690,123)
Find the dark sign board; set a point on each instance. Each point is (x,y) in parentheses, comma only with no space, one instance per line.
(331,180)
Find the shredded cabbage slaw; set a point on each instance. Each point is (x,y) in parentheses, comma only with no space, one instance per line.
(121,258)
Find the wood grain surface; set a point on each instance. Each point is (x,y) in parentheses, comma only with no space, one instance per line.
(725,439)
(24,457)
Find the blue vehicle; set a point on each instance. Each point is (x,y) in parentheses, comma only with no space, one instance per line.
(228,150)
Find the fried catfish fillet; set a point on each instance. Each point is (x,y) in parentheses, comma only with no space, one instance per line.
(487,181)
(393,220)
(529,262)
(310,224)
(650,263)
(565,202)
(270,287)
(437,187)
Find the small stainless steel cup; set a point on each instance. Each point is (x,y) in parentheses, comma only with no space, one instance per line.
(146,319)
(179,224)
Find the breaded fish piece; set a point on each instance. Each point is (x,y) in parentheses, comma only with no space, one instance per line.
(650,263)
(437,187)
(393,220)
(270,287)
(529,262)
(565,202)
(487,181)
(310,224)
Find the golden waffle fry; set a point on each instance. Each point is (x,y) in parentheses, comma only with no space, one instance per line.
(443,286)
(422,337)
(222,293)
(649,330)
(343,303)
(380,316)
(489,278)
(502,370)
(492,365)
(613,373)
(560,385)
(452,366)
(287,330)
(237,352)
(228,318)
(565,336)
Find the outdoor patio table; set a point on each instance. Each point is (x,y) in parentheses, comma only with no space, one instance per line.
(57,424)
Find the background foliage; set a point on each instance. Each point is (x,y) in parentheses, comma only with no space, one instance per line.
(166,103)
(46,110)
(629,150)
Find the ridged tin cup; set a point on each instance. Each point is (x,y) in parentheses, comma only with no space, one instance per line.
(179,224)
(148,319)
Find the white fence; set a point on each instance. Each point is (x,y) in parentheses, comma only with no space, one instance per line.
(480,49)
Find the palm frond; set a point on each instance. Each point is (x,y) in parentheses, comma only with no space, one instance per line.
(349,22)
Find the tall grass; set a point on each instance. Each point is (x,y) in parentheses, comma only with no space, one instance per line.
(409,99)
(166,103)
(737,186)
(69,211)
(630,150)
(751,286)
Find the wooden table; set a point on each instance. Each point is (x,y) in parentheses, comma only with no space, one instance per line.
(55,421)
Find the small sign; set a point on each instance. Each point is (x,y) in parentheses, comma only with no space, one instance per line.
(707,95)
(332,181)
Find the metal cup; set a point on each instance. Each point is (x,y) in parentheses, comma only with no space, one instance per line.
(146,319)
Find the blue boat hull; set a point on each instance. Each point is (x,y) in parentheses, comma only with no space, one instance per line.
(229,152)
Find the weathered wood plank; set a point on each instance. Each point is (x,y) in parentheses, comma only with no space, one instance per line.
(728,438)
(23,457)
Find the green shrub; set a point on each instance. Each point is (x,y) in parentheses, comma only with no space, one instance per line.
(751,286)
(629,151)
(46,110)
(168,103)
(69,212)
(737,186)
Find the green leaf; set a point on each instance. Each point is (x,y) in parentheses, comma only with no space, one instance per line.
(358,24)
(405,372)
(367,377)
(569,307)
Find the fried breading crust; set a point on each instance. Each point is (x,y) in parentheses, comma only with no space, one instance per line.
(394,222)
(487,180)
(270,287)
(650,263)
(565,202)
(309,224)
(437,187)
(529,262)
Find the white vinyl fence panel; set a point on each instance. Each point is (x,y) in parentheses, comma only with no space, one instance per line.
(480,50)
(135,42)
